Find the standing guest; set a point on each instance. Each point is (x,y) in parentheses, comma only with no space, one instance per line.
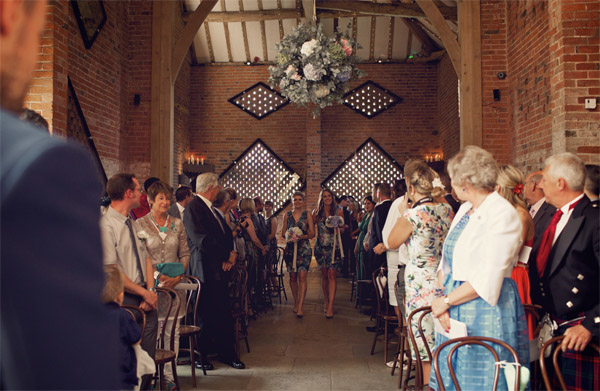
(449,197)
(183,196)
(260,224)
(259,220)
(477,261)
(592,182)
(272,238)
(144,208)
(327,247)
(539,209)
(130,332)
(510,186)
(123,245)
(254,250)
(212,257)
(298,217)
(396,258)
(384,194)
(359,248)
(354,208)
(167,243)
(564,271)
(423,226)
(46,238)
(347,235)
(232,215)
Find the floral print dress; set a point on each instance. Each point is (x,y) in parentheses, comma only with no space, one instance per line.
(324,248)
(304,254)
(430,223)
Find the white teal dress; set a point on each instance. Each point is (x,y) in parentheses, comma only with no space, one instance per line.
(474,365)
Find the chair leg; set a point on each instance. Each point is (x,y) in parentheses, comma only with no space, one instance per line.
(161,377)
(385,340)
(174,367)
(245,330)
(375,337)
(237,337)
(192,360)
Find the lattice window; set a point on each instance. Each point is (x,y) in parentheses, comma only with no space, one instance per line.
(370,99)
(259,172)
(356,176)
(259,101)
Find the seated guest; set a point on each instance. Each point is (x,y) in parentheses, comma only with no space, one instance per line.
(477,261)
(564,271)
(166,243)
(183,196)
(592,182)
(130,332)
(143,209)
(510,186)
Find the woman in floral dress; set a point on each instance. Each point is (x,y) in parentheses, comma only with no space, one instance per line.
(329,261)
(300,218)
(425,226)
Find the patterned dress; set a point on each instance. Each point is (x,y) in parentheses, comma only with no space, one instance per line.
(430,223)
(324,248)
(506,321)
(304,254)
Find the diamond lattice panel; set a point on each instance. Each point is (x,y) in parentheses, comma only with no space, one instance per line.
(355,177)
(259,101)
(259,172)
(370,99)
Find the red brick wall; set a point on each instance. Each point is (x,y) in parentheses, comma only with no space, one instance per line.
(221,131)
(448,120)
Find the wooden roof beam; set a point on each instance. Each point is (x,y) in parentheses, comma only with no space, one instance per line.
(428,44)
(252,16)
(448,38)
(405,10)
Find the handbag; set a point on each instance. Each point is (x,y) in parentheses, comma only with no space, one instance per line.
(169,269)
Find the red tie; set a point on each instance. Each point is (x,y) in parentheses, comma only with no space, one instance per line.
(546,243)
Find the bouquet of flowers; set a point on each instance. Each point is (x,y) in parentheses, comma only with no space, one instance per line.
(334,221)
(292,234)
(312,67)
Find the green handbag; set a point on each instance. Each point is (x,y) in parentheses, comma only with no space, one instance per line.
(170,269)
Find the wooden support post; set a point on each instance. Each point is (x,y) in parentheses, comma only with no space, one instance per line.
(471,119)
(162,102)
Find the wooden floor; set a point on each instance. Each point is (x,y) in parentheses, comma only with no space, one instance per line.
(312,353)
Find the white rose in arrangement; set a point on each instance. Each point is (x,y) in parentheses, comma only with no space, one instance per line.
(313,73)
(143,235)
(290,70)
(308,47)
(322,91)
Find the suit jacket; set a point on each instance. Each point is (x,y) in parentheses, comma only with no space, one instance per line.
(571,281)
(51,261)
(377,222)
(209,244)
(174,211)
(542,219)
(260,226)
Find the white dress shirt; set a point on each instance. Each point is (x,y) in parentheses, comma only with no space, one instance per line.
(181,208)
(567,212)
(400,255)
(536,207)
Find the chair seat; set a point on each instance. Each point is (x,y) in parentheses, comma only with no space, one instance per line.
(162,356)
(187,330)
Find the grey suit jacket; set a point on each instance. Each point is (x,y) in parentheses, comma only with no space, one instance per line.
(174,211)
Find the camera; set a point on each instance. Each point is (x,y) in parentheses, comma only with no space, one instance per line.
(501,75)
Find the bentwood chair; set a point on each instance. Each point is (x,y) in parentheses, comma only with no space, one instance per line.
(277,272)
(555,363)
(189,328)
(480,341)
(238,295)
(402,358)
(421,313)
(137,314)
(385,316)
(533,311)
(165,353)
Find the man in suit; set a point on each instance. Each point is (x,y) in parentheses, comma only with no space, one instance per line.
(592,183)
(564,264)
(183,196)
(347,235)
(380,213)
(539,209)
(212,256)
(51,257)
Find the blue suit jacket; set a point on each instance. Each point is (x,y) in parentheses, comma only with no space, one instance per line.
(56,334)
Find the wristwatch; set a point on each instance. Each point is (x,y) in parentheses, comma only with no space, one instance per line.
(447,301)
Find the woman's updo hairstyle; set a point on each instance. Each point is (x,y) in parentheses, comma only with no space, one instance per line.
(475,167)
(422,178)
(510,185)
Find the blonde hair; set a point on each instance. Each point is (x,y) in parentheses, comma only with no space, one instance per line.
(473,166)
(247,205)
(113,284)
(509,179)
(422,177)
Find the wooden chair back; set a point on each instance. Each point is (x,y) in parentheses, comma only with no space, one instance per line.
(421,313)
(555,363)
(382,293)
(474,340)
(137,314)
(238,291)
(173,302)
(192,299)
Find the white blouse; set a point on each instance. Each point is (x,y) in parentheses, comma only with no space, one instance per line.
(486,251)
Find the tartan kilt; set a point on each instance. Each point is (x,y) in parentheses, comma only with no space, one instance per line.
(580,370)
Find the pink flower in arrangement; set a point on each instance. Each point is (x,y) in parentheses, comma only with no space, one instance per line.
(346,46)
